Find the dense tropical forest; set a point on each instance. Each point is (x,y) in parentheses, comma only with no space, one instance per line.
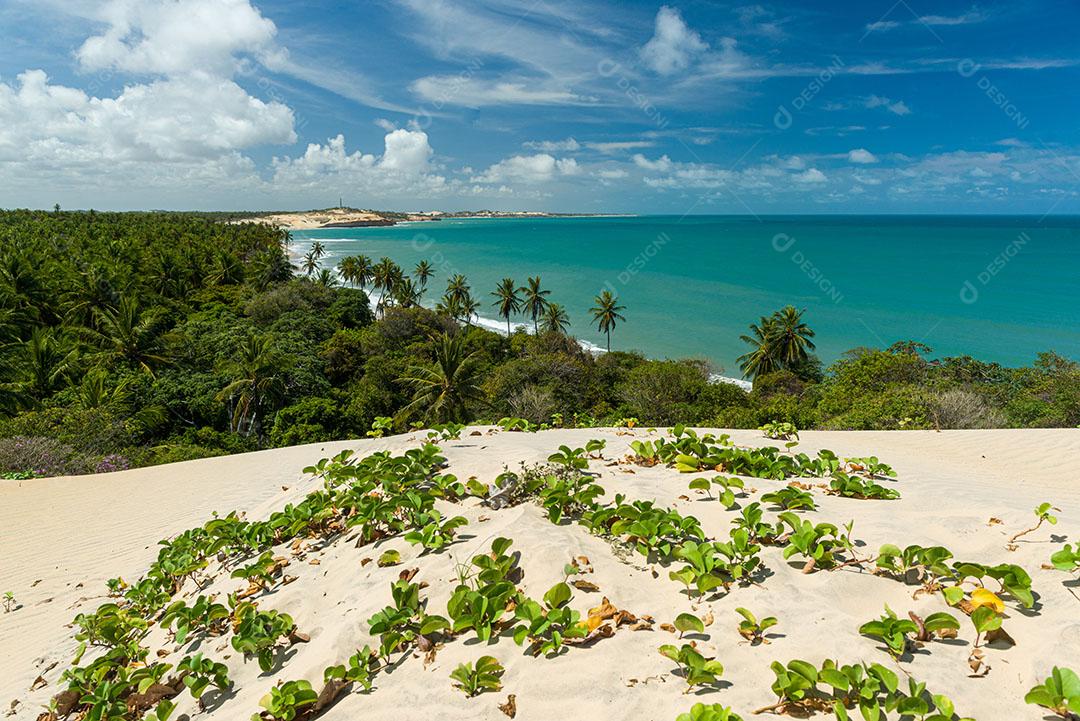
(141,338)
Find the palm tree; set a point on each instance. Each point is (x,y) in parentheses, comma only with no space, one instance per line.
(128,335)
(347,269)
(606,313)
(257,387)
(469,306)
(457,287)
(449,306)
(792,336)
(535,300)
(309,264)
(507,300)
(326,278)
(383,276)
(363,274)
(44,365)
(422,272)
(555,319)
(443,390)
(762,357)
(318,250)
(406,293)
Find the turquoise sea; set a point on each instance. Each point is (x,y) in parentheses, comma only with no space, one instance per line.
(994,287)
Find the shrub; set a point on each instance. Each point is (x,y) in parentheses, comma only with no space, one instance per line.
(40,456)
(958,408)
(265,308)
(351,309)
(662,392)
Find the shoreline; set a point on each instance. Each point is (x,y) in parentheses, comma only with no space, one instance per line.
(499,326)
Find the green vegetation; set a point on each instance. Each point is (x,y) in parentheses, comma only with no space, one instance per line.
(753,629)
(1060,693)
(138,338)
(874,690)
(710,712)
(695,669)
(484,676)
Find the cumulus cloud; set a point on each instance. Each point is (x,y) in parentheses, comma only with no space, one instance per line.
(662,164)
(810,175)
(189,114)
(182,119)
(862,156)
(673,45)
(538,168)
(402,168)
(163,37)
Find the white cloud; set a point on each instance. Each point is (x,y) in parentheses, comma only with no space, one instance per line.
(861,156)
(662,164)
(190,121)
(811,175)
(553,146)
(673,45)
(882,25)
(612,174)
(185,119)
(402,168)
(171,37)
(407,152)
(897,107)
(966,19)
(475,93)
(538,168)
(619,146)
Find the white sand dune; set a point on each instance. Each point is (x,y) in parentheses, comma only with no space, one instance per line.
(60,539)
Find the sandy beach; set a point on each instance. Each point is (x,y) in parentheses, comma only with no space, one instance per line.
(64,537)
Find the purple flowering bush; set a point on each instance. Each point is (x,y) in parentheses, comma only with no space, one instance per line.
(39,456)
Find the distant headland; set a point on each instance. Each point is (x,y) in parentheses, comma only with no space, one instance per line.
(344,217)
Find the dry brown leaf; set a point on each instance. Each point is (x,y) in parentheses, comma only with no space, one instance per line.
(365,561)
(1000,635)
(510,707)
(315,562)
(667,627)
(39,682)
(708,619)
(978,666)
(583,585)
(483,518)
(408,574)
(286,580)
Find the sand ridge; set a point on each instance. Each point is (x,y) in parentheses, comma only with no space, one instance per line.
(64,537)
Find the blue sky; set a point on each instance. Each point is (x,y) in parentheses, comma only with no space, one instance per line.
(686,107)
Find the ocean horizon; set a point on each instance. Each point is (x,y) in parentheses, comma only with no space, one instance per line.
(1000,288)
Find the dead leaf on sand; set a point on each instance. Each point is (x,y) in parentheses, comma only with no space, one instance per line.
(510,707)
(583,585)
